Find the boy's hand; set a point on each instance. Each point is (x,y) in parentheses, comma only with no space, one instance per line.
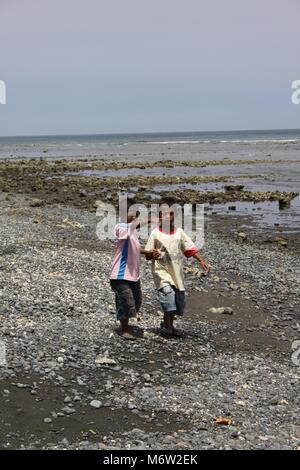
(151,254)
(156,254)
(204,265)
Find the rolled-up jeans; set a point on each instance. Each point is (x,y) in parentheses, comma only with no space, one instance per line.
(128,296)
(171,299)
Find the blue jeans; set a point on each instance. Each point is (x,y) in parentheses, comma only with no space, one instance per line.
(172,299)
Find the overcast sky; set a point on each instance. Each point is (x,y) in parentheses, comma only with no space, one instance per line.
(102,66)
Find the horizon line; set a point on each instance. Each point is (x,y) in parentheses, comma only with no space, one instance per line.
(148,133)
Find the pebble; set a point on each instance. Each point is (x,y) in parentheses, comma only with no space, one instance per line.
(47,420)
(103,360)
(96,404)
(223,310)
(68,410)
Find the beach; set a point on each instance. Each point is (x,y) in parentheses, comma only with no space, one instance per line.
(69,381)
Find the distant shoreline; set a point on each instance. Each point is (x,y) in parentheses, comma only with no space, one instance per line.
(150,133)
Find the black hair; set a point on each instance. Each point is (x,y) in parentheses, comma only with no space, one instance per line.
(168,201)
(130,202)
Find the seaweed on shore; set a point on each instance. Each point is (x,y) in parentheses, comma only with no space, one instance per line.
(39,179)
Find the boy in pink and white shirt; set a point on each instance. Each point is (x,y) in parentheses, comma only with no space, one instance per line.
(125,272)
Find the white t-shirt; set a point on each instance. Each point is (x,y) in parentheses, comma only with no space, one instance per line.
(169,268)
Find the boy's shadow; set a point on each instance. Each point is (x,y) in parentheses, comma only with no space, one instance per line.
(184,335)
(136,331)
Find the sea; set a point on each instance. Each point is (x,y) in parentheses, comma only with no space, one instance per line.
(277,150)
(179,145)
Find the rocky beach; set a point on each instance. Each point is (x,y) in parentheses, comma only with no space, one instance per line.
(69,381)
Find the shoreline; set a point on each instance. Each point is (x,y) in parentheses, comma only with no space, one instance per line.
(48,183)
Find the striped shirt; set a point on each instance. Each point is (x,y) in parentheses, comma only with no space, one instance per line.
(126,264)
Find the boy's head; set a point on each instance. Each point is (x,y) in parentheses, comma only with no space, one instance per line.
(129,211)
(132,215)
(132,211)
(167,214)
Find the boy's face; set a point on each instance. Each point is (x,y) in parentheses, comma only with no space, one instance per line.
(166,215)
(131,216)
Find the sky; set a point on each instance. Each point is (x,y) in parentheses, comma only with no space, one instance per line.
(126,66)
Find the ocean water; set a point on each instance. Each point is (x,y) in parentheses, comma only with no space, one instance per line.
(269,145)
(178,146)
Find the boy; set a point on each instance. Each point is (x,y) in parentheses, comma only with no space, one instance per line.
(125,273)
(167,268)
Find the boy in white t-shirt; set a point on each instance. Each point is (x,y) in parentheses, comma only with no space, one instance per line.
(167,271)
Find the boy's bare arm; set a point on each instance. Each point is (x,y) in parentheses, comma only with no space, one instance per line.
(150,254)
(202,262)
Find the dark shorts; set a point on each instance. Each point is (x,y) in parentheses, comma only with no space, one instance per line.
(128,296)
(172,299)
